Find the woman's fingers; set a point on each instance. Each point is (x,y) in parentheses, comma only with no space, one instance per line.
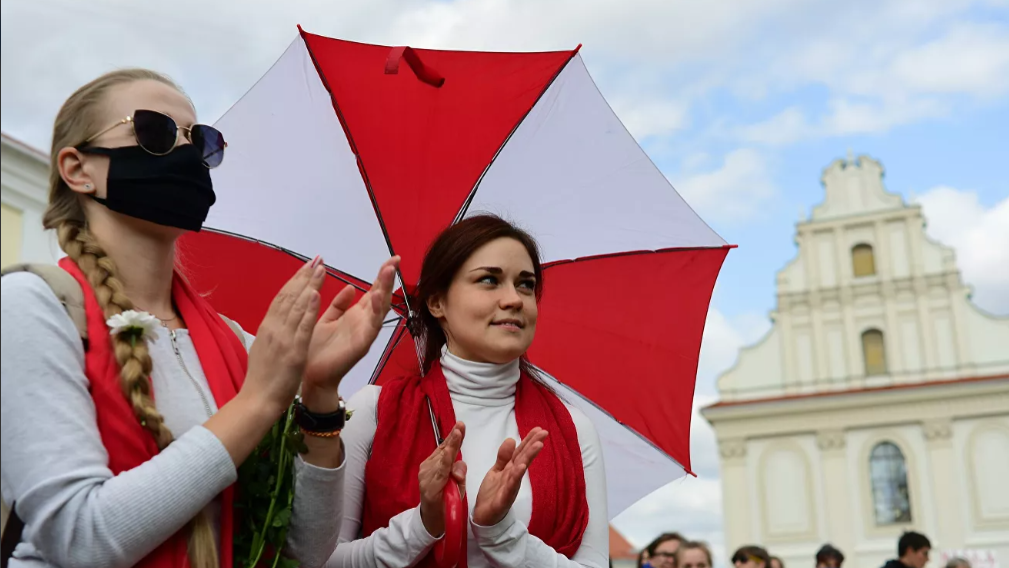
(530,442)
(526,459)
(504,455)
(381,290)
(529,437)
(459,472)
(289,294)
(536,435)
(455,437)
(297,312)
(450,448)
(340,304)
(303,334)
(444,455)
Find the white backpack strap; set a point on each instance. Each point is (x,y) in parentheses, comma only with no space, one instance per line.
(238,331)
(66,289)
(6,512)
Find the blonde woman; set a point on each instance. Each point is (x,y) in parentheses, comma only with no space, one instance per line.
(122,450)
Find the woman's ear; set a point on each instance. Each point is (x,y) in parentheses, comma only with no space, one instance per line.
(435,305)
(70,162)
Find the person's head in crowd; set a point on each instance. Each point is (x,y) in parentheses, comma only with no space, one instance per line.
(777,562)
(913,550)
(694,554)
(751,557)
(661,553)
(829,557)
(958,563)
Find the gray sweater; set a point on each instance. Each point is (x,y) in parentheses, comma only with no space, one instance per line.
(54,467)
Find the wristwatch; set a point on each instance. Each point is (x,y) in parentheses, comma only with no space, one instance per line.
(315,423)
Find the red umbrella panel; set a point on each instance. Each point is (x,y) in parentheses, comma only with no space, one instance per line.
(357,152)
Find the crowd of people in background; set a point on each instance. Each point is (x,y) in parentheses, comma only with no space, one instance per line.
(673,550)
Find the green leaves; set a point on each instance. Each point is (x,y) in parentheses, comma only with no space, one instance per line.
(282,519)
(265,497)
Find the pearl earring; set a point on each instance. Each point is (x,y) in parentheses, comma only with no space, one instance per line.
(87,186)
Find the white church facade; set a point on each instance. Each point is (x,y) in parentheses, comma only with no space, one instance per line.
(879,400)
(23,189)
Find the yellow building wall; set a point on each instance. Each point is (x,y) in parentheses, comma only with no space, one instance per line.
(10,239)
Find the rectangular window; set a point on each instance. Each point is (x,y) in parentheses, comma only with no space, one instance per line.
(874,351)
(863,261)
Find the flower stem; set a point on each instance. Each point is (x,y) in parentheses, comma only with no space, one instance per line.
(281,469)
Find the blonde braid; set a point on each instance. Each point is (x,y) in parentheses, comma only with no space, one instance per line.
(76,121)
(135,365)
(134,358)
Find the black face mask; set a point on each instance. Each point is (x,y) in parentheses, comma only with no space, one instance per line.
(173,190)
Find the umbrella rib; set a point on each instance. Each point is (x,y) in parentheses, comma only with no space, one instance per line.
(391,346)
(614,418)
(345,277)
(645,154)
(472,193)
(554,263)
(357,155)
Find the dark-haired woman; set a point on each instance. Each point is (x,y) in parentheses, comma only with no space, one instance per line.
(540,502)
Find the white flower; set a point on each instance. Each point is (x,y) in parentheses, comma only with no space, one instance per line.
(139,324)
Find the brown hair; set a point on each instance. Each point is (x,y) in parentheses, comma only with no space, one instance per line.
(694,545)
(77,120)
(444,259)
(754,552)
(653,547)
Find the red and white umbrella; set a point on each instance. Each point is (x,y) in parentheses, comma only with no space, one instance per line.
(357,152)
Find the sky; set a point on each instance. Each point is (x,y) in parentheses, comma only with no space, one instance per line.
(740,103)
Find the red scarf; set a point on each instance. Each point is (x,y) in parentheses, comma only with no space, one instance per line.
(129,445)
(404,438)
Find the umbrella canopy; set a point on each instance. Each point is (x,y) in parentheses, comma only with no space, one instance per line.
(357,152)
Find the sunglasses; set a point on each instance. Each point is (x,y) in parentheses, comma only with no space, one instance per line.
(743,559)
(158,134)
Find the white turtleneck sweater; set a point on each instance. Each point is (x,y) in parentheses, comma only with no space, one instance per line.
(483,396)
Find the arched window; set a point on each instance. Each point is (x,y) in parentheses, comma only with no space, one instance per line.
(874,353)
(863,261)
(888,472)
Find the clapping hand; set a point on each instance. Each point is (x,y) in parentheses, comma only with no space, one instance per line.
(343,336)
(501,485)
(435,473)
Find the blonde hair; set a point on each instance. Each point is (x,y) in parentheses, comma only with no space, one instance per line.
(76,121)
(694,545)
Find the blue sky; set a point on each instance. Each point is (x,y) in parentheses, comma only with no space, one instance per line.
(740,103)
(967,151)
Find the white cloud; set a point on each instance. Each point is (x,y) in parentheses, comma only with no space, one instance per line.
(979,235)
(786,127)
(733,192)
(972,59)
(630,45)
(657,58)
(895,50)
(844,118)
(882,71)
(723,337)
